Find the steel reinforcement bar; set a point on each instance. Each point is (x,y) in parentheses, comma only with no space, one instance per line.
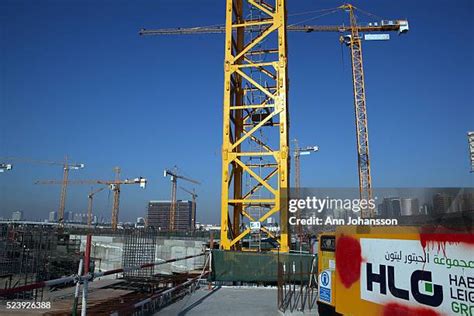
(87,277)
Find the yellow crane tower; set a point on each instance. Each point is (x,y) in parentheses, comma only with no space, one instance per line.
(114,185)
(255,103)
(354,42)
(66,165)
(193,211)
(255,47)
(362,131)
(174,176)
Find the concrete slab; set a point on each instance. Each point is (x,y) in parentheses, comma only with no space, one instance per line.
(229,301)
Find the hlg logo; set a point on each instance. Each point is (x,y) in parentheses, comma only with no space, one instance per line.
(386,274)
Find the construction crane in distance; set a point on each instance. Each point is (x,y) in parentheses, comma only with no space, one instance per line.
(90,197)
(353,40)
(5,167)
(297,153)
(114,185)
(174,176)
(358,80)
(66,168)
(193,206)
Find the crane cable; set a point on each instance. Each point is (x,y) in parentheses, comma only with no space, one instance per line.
(368,13)
(313,11)
(326,12)
(314,18)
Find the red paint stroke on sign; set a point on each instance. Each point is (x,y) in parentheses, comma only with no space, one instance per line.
(348,260)
(440,237)
(395,309)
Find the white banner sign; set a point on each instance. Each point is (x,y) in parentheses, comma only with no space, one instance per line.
(401,271)
(376,37)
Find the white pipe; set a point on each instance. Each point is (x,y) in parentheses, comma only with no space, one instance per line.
(85,287)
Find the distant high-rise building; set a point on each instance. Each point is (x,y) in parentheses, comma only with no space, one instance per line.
(102,219)
(79,218)
(341,213)
(53,216)
(17,216)
(390,207)
(159,215)
(442,203)
(68,216)
(393,207)
(425,209)
(409,207)
(467,203)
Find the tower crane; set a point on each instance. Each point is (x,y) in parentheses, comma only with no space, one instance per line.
(255,102)
(353,40)
(174,176)
(114,185)
(90,197)
(66,168)
(193,210)
(244,34)
(297,153)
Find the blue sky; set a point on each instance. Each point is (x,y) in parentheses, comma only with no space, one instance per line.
(76,79)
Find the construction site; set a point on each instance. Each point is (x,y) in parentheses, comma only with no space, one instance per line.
(251,226)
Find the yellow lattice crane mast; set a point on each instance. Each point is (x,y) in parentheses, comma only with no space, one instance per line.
(243,121)
(114,185)
(255,104)
(254,107)
(354,42)
(362,131)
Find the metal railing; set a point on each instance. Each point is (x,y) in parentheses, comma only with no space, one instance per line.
(297,286)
